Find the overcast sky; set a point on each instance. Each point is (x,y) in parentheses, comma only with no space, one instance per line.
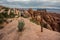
(31,3)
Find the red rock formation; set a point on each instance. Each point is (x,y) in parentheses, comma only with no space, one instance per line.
(51,20)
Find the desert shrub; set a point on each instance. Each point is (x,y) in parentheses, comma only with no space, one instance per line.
(1,18)
(34,21)
(21,25)
(44,25)
(12,15)
(1,27)
(1,15)
(5,15)
(1,21)
(25,16)
(6,9)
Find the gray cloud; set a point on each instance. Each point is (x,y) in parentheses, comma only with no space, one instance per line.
(36,4)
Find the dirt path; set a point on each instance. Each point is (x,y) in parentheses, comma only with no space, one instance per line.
(31,32)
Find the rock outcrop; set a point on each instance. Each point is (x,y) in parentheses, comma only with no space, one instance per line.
(50,20)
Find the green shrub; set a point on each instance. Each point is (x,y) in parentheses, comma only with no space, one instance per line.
(25,16)
(34,21)
(1,15)
(5,15)
(21,25)
(1,21)
(1,27)
(1,18)
(44,25)
(12,15)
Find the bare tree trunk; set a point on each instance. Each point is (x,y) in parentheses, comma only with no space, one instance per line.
(41,29)
(41,24)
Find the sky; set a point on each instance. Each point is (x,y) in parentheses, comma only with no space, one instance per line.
(31,3)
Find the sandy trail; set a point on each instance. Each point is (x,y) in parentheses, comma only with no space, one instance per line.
(31,32)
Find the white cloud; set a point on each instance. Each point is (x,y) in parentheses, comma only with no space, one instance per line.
(16,0)
(1,2)
(32,3)
(50,0)
(36,0)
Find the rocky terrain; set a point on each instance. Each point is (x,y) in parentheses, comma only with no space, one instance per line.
(8,14)
(34,20)
(49,20)
(31,32)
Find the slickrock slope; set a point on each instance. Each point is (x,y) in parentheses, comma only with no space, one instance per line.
(50,20)
(9,10)
(31,32)
(53,21)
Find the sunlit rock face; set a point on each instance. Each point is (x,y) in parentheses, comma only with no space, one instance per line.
(9,10)
(30,11)
(52,22)
(2,10)
(26,13)
(16,11)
